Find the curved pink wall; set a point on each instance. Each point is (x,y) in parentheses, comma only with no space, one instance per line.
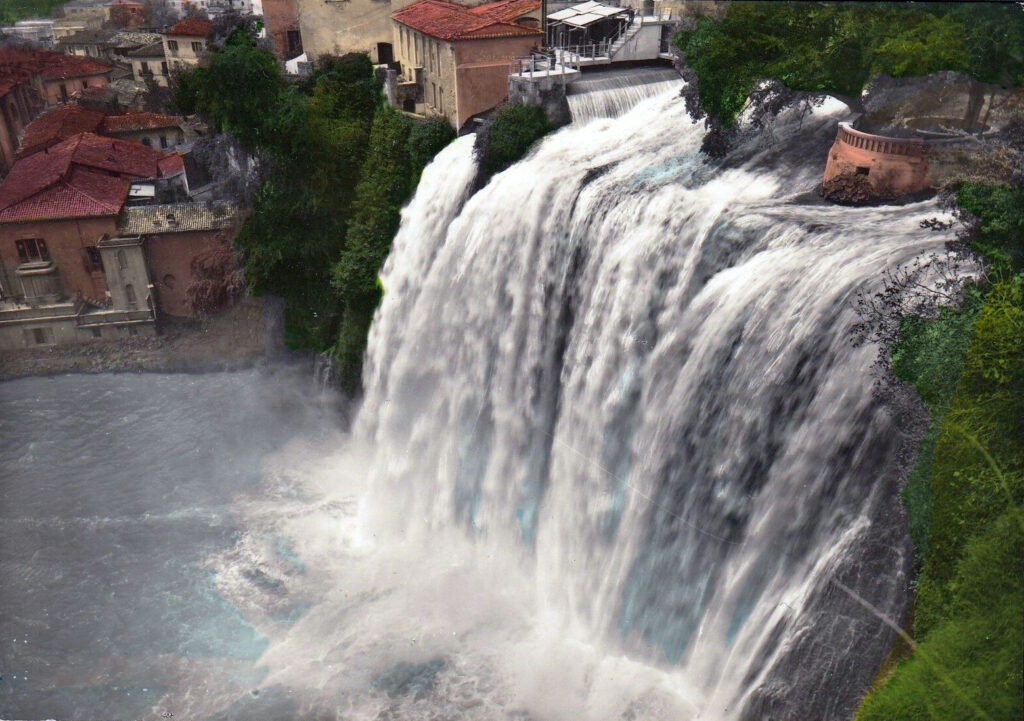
(894,166)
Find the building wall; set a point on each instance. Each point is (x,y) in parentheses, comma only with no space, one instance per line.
(336,27)
(66,241)
(18,108)
(281,16)
(54,93)
(892,166)
(180,53)
(157,69)
(124,267)
(482,68)
(172,137)
(170,258)
(128,15)
(431,62)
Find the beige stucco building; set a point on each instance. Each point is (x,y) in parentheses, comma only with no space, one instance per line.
(455,60)
(186,43)
(336,27)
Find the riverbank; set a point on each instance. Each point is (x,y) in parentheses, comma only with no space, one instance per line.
(234,339)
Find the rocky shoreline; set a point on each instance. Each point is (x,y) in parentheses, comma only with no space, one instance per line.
(235,339)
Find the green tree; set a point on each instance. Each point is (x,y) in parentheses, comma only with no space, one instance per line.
(376,214)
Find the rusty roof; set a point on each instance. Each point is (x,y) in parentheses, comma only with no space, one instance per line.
(451,21)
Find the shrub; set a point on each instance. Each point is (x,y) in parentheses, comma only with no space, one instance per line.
(425,141)
(516,128)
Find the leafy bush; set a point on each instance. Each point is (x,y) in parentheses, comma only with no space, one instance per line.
(516,128)
(837,47)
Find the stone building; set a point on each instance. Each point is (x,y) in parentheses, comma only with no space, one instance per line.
(163,132)
(66,272)
(186,43)
(455,60)
(21,99)
(149,63)
(336,27)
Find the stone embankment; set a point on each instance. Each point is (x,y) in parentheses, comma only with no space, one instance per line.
(236,338)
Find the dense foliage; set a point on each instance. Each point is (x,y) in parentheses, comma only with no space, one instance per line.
(340,164)
(837,47)
(964,494)
(514,130)
(11,11)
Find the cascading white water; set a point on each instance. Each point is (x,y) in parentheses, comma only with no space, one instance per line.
(615,446)
(610,94)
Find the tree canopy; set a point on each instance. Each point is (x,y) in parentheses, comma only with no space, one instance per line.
(836,47)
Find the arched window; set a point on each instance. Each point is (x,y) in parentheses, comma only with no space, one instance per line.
(122,260)
(129,291)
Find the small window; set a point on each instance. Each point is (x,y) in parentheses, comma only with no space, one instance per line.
(197,48)
(172,45)
(63,91)
(145,68)
(93,260)
(31,250)
(129,291)
(97,332)
(163,67)
(122,260)
(861,170)
(42,336)
(147,142)
(163,141)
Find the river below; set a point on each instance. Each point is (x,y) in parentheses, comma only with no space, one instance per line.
(117,493)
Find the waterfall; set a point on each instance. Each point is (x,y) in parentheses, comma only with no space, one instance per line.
(609,94)
(617,457)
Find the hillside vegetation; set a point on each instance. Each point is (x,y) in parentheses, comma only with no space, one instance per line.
(341,163)
(11,11)
(965,492)
(837,47)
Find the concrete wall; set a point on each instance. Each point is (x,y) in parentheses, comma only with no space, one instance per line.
(892,166)
(645,45)
(66,242)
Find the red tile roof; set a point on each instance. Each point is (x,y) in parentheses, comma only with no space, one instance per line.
(19,64)
(70,119)
(506,10)
(138,120)
(192,27)
(59,124)
(83,176)
(450,21)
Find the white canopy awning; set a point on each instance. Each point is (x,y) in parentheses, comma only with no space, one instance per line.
(585,13)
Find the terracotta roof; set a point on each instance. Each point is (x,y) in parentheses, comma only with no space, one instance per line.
(19,64)
(59,124)
(192,27)
(83,176)
(138,120)
(176,218)
(506,10)
(450,21)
